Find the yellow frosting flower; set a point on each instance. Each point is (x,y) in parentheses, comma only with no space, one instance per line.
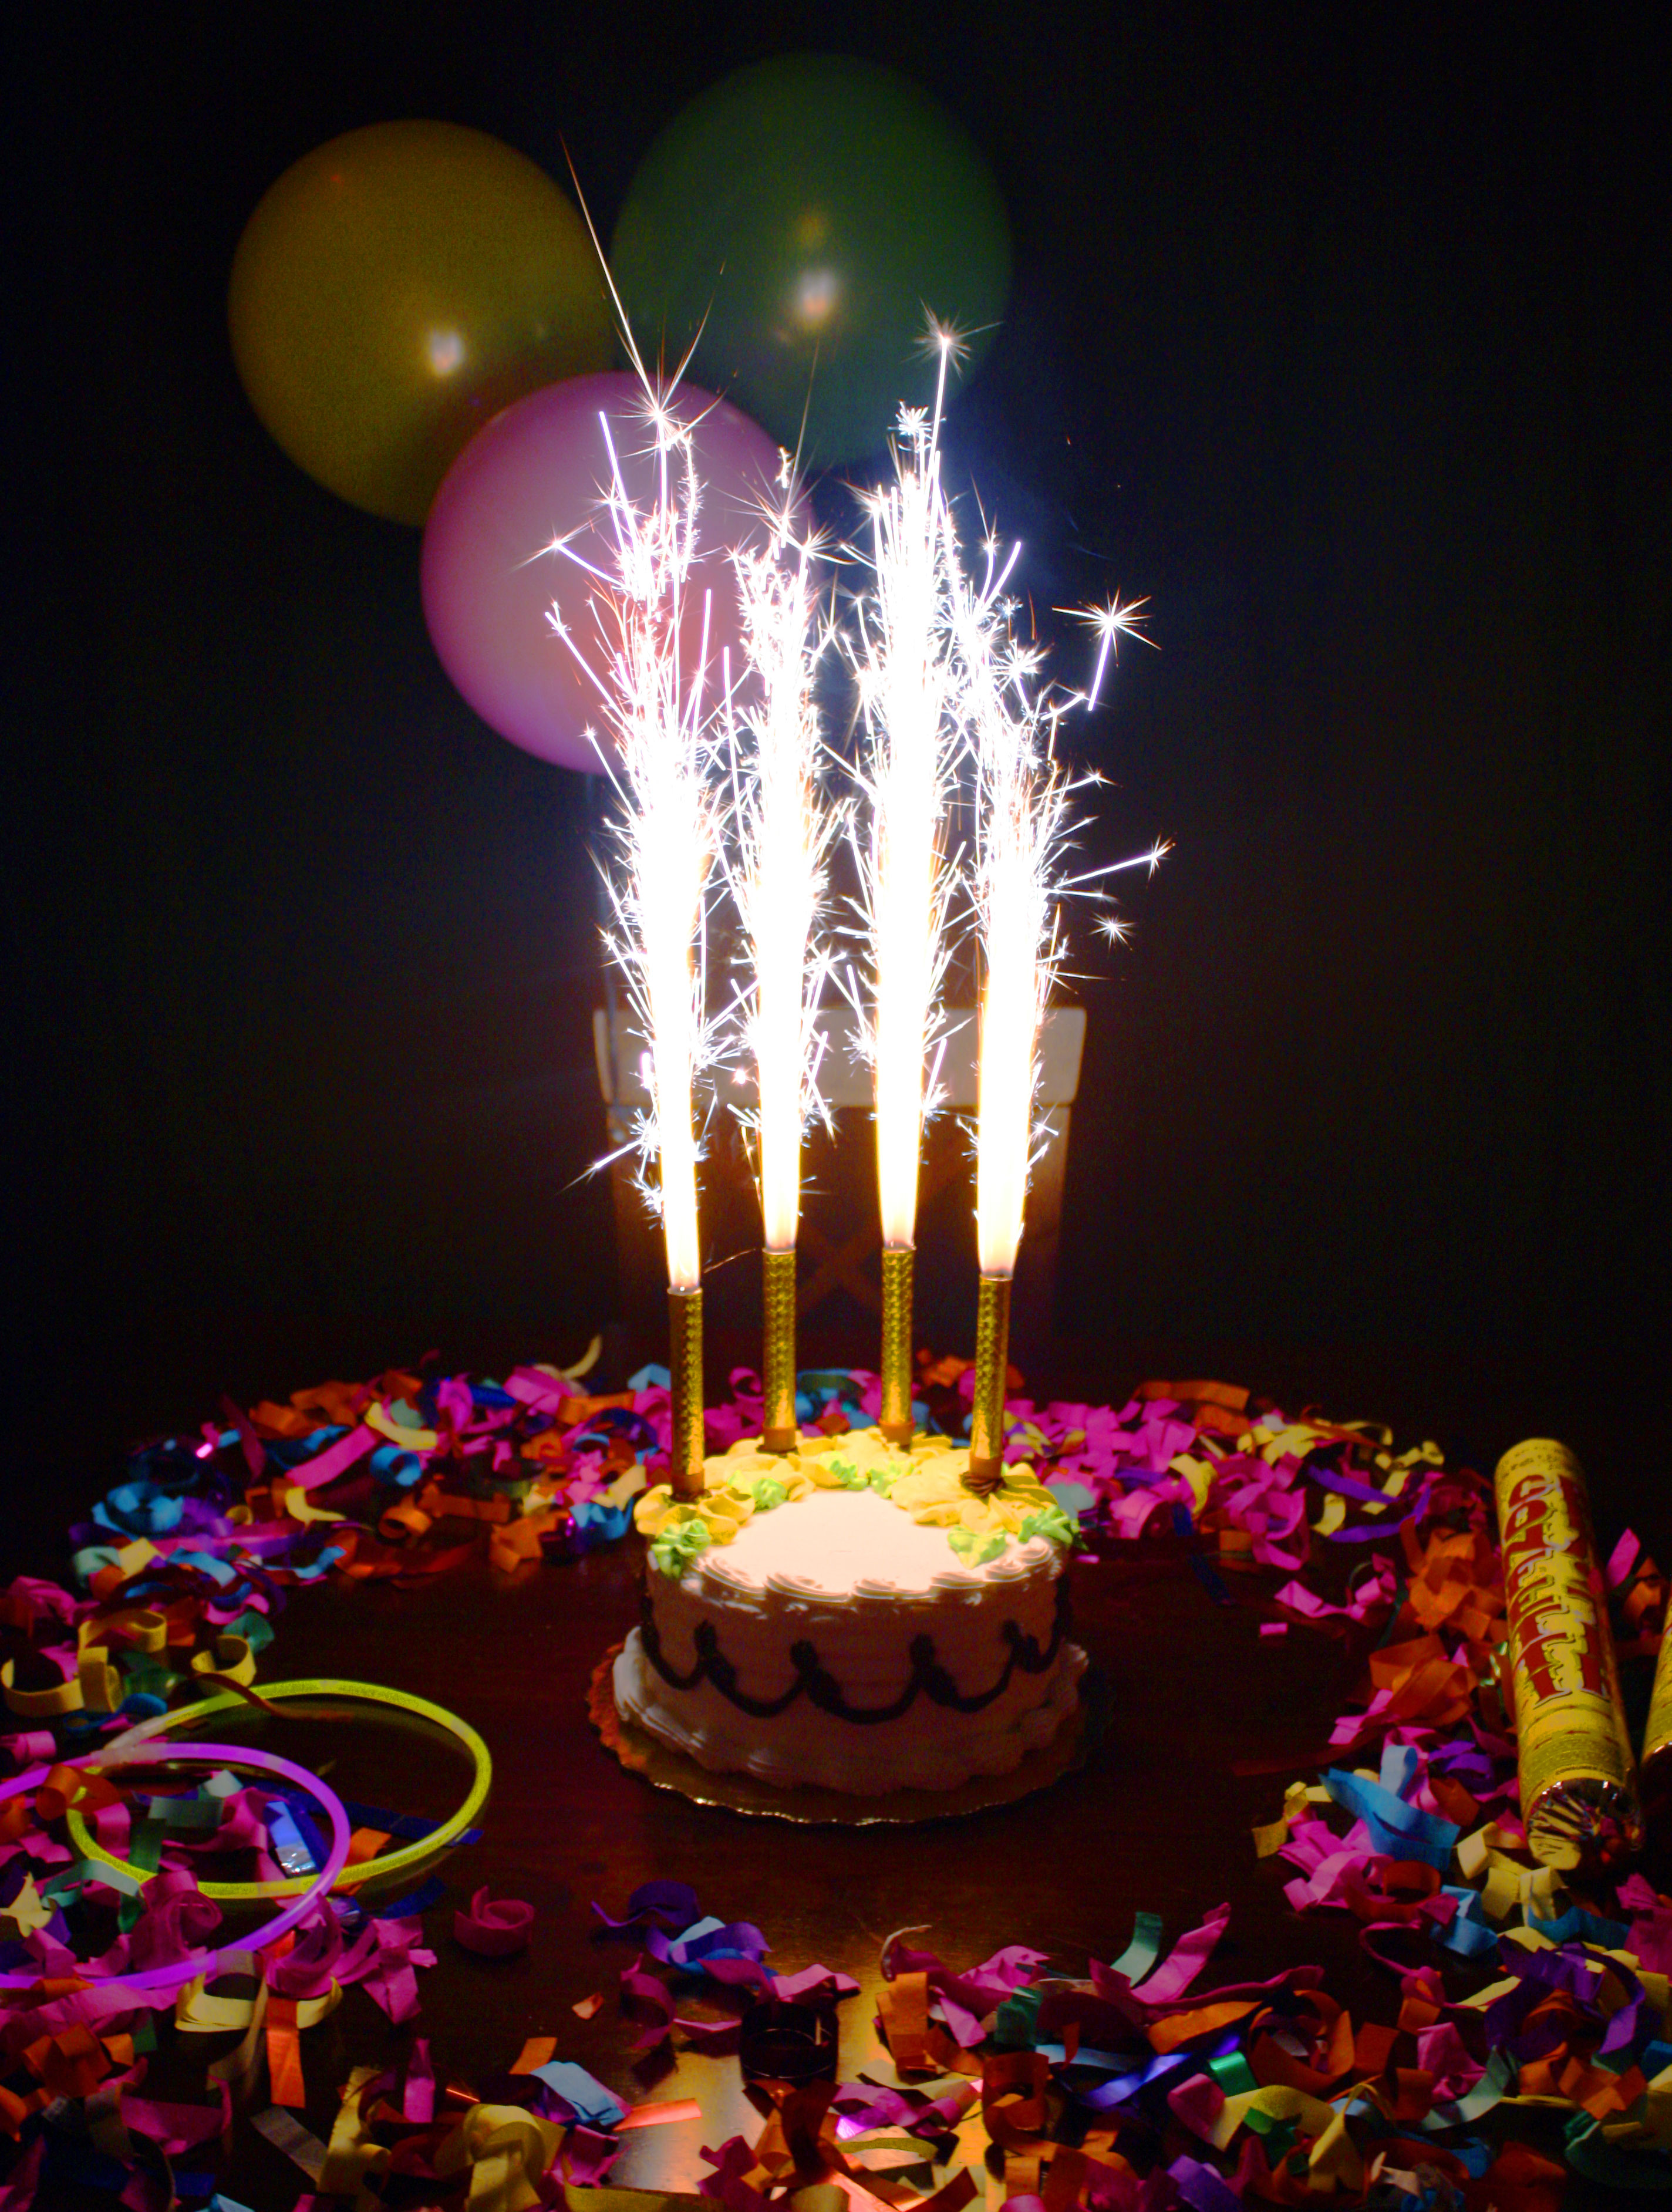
(737,1485)
(927,1482)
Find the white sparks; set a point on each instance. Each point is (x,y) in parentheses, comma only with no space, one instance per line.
(664,832)
(903,659)
(1021,822)
(1109,624)
(1023,831)
(783,832)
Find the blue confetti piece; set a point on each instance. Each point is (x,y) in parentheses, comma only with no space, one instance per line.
(1397,1830)
(409,1907)
(587,2099)
(1400,1763)
(1210,1578)
(1578,1926)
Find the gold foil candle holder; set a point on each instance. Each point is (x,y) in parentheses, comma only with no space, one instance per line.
(685,1330)
(778,1430)
(894,1421)
(986,1420)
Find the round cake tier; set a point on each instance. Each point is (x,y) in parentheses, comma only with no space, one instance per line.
(837,1642)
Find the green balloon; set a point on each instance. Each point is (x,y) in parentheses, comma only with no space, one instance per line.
(813,209)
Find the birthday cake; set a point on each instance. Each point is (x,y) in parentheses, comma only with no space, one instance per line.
(853,1618)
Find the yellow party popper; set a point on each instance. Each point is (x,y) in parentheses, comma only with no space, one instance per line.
(1578,1793)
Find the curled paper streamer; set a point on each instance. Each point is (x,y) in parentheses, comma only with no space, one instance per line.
(493,1927)
(505,2150)
(1415,1838)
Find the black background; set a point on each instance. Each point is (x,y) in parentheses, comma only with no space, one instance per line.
(1339,335)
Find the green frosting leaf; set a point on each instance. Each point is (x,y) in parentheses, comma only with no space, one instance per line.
(678,1544)
(1052,1522)
(765,1490)
(976,1549)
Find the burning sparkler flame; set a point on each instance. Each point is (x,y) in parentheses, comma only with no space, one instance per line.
(1021,819)
(904,655)
(938,673)
(783,836)
(1023,828)
(665,830)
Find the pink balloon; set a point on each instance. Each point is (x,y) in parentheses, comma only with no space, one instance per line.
(535,473)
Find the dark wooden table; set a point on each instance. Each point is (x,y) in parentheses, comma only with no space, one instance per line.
(1159,1819)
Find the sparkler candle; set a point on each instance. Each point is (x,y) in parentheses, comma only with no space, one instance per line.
(778,874)
(1020,822)
(665,832)
(906,679)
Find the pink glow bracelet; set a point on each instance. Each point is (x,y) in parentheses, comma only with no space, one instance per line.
(203,1963)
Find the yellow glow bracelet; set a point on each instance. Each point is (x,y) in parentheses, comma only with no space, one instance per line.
(391,1862)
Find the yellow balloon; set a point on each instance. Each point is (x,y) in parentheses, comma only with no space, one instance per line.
(398,286)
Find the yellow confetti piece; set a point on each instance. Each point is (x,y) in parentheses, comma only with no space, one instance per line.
(1298,1437)
(1485,1847)
(626,1485)
(1657,2108)
(505,2150)
(231,1659)
(138,1629)
(1335,2157)
(1275,2102)
(58,1698)
(351,2153)
(409,1439)
(290,1499)
(1501,1890)
(1490,1994)
(1199,1474)
(1529,1938)
(100,1684)
(26,1913)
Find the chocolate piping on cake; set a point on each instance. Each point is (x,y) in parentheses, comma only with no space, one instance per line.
(928,1678)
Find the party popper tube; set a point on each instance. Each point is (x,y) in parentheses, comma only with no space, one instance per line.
(778,1429)
(686,1444)
(1656,1769)
(1578,1795)
(986,1416)
(895,1418)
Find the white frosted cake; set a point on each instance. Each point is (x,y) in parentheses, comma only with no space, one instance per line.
(851,1619)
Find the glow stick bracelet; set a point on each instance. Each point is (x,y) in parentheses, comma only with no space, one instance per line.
(391,1862)
(202,1963)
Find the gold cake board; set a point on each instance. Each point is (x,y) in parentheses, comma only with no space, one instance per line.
(666,1769)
